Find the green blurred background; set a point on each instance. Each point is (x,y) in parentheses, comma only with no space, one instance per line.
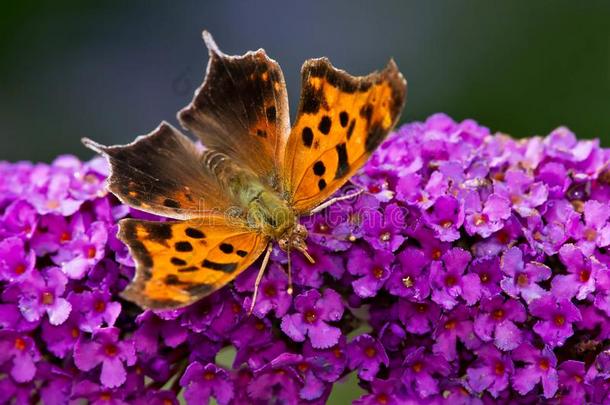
(112,70)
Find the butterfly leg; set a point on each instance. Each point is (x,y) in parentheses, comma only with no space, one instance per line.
(334,200)
(259,277)
(289,290)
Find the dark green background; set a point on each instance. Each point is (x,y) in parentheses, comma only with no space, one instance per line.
(114,70)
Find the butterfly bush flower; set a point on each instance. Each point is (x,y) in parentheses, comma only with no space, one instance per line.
(473,270)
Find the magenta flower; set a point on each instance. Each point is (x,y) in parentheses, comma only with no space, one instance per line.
(314,311)
(539,367)
(373,267)
(490,372)
(411,278)
(273,292)
(366,354)
(19,353)
(485,218)
(16,262)
(421,371)
(449,282)
(496,322)
(556,318)
(203,382)
(106,349)
(40,295)
(418,317)
(383,230)
(445,218)
(582,273)
(522,279)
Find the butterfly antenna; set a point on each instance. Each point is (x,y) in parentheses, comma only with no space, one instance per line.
(259,277)
(289,290)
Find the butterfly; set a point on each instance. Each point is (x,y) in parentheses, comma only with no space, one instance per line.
(246,188)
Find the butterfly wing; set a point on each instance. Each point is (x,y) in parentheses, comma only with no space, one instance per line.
(241,110)
(163,173)
(341,121)
(177,263)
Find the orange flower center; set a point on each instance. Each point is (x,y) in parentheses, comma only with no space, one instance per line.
(544,364)
(407,282)
(310,316)
(484,277)
(421,308)
(111,350)
(270,291)
(303,367)
(436,253)
(64,237)
(450,324)
(560,320)
(584,276)
(99,306)
(208,375)
(447,223)
(47,298)
(382,399)
(20,269)
(105,396)
(91,252)
(370,351)
(590,234)
(499,368)
(498,314)
(480,219)
(522,280)
(20,344)
(378,272)
(417,367)
(385,236)
(450,281)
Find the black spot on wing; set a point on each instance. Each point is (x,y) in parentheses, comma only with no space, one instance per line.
(158,232)
(198,289)
(184,246)
(366,112)
(189,269)
(194,233)
(342,161)
(224,267)
(271,114)
(177,261)
(261,133)
(343,118)
(226,248)
(350,129)
(318,168)
(322,184)
(241,253)
(307,137)
(172,279)
(168,202)
(325,125)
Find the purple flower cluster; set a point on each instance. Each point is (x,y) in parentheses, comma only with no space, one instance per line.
(475,270)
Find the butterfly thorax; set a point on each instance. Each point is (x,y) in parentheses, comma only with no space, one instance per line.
(271,214)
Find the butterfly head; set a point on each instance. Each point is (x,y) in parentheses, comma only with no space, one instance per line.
(294,239)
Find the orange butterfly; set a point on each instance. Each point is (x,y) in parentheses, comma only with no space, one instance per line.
(255,176)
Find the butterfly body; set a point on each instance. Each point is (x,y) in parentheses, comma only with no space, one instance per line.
(255,175)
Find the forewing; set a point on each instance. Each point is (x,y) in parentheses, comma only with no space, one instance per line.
(341,121)
(163,173)
(178,263)
(241,110)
